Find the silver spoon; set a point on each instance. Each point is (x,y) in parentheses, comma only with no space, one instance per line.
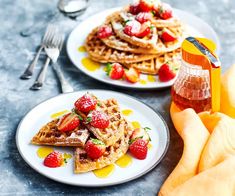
(70,8)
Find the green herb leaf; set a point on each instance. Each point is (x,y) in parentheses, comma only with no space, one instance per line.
(88,119)
(97,142)
(126,21)
(153,13)
(65,160)
(147,128)
(152,27)
(80,118)
(99,104)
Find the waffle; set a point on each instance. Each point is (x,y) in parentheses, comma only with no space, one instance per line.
(160,47)
(102,53)
(116,127)
(117,20)
(84,164)
(152,66)
(50,135)
(172,22)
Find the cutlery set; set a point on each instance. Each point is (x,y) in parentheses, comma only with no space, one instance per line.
(52,44)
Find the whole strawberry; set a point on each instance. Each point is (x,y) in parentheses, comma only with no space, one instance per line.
(104,32)
(134,8)
(54,159)
(69,122)
(166,73)
(86,103)
(164,11)
(115,71)
(139,149)
(146,5)
(98,119)
(94,148)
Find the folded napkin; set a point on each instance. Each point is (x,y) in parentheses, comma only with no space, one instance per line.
(207,164)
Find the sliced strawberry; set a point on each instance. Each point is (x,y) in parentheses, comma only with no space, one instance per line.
(69,122)
(134,8)
(104,32)
(132,27)
(143,17)
(139,149)
(167,36)
(132,75)
(165,73)
(144,31)
(146,5)
(140,133)
(115,71)
(94,148)
(164,11)
(98,119)
(54,159)
(85,103)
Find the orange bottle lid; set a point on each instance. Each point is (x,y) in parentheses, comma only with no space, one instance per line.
(192,55)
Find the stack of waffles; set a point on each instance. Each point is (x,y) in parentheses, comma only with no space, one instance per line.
(115,136)
(145,53)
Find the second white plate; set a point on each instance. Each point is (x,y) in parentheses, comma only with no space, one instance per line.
(139,113)
(78,56)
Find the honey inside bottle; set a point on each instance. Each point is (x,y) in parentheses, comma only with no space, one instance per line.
(196,78)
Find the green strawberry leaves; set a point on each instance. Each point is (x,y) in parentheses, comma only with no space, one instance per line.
(133,140)
(108,68)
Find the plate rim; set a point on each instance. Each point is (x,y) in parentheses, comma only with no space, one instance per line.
(106,184)
(139,88)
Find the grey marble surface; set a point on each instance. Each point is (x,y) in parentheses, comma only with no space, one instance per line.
(16,177)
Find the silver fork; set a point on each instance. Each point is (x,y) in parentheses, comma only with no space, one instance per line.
(46,38)
(65,86)
(53,43)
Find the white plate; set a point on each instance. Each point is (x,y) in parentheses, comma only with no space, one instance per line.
(195,25)
(40,115)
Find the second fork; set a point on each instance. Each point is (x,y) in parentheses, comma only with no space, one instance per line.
(52,43)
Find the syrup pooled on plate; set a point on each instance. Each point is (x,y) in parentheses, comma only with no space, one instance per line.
(127,112)
(151,78)
(42,152)
(136,124)
(150,146)
(104,172)
(81,49)
(143,82)
(89,64)
(124,161)
(58,114)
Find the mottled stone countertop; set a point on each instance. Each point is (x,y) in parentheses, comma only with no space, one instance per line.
(16,177)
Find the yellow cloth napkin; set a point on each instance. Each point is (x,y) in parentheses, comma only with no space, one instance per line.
(207,164)
(228,92)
